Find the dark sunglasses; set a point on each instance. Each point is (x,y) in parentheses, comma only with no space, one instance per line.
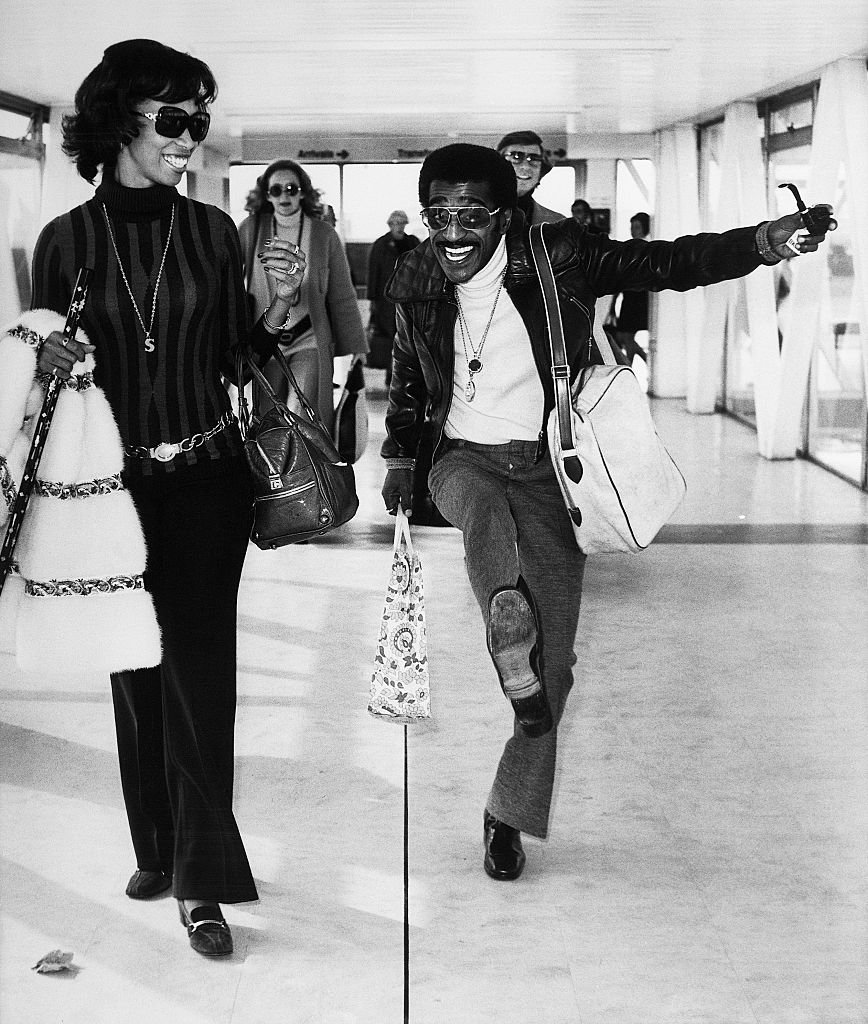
(471,217)
(276,191)
(518,156)
(172,122)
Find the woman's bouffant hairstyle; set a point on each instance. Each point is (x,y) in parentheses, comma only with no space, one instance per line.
(464,162)
(129,73)
(310,196)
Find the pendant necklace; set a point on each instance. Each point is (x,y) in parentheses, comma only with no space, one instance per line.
(474,365)
(149,330)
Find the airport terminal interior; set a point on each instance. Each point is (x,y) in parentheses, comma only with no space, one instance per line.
(706,858)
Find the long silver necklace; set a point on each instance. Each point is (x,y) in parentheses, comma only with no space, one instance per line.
(474,365)
(149,330)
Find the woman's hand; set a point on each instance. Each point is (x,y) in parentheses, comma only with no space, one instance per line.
(58,356)
(285,263)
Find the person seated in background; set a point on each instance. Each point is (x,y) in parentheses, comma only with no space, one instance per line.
(472,352)
(381,262)
(524,150)
(324,321)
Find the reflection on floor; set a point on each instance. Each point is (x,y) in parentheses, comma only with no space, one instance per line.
(708,850)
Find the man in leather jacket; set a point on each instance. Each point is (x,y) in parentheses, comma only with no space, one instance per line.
(472,353)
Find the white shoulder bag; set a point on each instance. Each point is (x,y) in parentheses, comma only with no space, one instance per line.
(619,482)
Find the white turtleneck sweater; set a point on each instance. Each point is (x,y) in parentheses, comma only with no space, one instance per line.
(508,403)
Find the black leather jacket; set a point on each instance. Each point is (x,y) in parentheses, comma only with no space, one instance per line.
(585,265)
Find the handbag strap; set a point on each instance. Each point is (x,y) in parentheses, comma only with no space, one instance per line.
(244,358)
(402,529)
(560,366)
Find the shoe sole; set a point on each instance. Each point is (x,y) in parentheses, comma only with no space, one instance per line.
(511,636)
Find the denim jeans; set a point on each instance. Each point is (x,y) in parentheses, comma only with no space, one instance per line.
(508,506)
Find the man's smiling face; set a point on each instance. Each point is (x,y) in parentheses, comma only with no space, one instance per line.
(460,251)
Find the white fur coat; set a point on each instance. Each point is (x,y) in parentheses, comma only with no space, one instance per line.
(75,601)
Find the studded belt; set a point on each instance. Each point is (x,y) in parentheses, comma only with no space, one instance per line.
(165,451)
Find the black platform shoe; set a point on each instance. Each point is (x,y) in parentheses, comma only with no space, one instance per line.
(144,885)
(209,933)
(514,644)
(504,855)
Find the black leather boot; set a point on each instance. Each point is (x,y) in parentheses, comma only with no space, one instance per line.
(504,855)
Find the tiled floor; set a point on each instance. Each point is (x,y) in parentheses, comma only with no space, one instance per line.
(707,860)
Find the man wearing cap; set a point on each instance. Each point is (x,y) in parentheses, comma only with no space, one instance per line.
(381,262)
(524,150)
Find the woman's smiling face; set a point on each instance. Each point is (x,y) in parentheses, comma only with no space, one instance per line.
(151,159)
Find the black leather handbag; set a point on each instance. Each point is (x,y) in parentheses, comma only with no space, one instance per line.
(302,487)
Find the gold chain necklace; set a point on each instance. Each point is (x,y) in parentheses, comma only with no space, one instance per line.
(474,365)
(149,330)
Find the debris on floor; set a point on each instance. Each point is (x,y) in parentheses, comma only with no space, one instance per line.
(55,961)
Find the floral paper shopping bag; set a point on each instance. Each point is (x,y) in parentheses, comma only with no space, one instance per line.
(399,684)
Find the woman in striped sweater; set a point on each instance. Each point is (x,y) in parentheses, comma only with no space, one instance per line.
(165,314)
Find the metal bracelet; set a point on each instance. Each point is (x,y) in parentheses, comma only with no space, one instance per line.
(165,451)
(283,327)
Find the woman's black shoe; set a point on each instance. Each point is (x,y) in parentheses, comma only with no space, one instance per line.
(504,855)
(514,645)
(146,884)
(209,933)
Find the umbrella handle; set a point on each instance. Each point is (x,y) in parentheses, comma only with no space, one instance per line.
(37,445)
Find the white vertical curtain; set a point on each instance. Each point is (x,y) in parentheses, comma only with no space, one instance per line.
(676,317)
(742,201)
(840,138)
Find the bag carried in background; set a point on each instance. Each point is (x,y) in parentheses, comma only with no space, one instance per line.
(399,684)
(302,487)
(351,415)
(619,482)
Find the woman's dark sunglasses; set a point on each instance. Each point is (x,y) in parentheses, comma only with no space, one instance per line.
(171,122)
(276,191)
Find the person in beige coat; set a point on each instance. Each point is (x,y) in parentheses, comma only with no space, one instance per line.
(325,322)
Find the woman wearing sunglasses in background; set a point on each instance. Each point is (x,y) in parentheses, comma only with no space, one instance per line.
(166,312)
(325,318)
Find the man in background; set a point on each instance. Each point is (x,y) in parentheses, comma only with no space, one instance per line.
(524,150)
(381,262)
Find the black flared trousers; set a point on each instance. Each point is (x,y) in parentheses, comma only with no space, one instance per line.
(176,723)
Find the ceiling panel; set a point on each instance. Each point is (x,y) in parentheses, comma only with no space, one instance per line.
(360,66)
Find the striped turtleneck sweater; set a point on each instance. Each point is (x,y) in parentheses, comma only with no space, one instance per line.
(176,391)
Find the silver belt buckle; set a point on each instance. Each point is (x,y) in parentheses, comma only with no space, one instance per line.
(165,452)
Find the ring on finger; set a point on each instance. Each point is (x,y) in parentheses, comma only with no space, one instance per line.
(292,270)
(64,341)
